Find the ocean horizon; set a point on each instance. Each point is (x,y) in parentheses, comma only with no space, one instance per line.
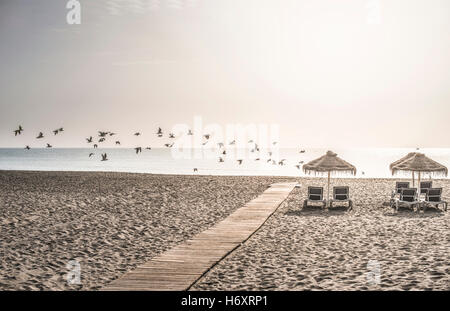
(370,162)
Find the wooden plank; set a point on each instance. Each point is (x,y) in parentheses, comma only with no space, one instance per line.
(182,266)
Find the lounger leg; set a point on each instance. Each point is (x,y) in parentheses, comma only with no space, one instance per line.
(305,203)
(350,205)
(396,206)
(445,206)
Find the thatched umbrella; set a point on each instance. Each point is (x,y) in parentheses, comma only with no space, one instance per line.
(409,155)
(418,162)
(329,163)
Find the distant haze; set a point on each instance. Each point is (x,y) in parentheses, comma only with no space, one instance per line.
(331,73)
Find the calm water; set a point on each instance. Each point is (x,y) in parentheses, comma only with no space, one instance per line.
(374,162)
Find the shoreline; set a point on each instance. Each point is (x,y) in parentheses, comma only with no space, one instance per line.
(217,175)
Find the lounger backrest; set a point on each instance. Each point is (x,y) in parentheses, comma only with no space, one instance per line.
(434,195)
(399,185)
(340,193)
(425,185)
(408,194)
(315,193)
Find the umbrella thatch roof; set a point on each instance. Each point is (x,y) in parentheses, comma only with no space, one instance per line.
(409,155)
(329,162)
(418,162)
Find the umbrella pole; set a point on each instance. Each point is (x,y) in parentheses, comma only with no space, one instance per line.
(413,178)
(418,185)
(328,194)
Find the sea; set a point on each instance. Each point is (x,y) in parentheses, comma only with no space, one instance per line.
(370,162)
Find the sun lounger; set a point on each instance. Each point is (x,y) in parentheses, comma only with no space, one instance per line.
(399,185)
(424,186)
(434,197)
(315,194)
(341,194)
(408,197)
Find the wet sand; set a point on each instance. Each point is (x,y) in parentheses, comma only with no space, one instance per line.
(108,222)
(340,250)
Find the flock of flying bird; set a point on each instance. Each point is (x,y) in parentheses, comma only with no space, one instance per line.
(103,135)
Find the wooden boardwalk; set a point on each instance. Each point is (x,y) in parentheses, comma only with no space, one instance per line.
(180,267)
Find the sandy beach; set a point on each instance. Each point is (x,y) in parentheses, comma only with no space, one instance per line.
(112,222)
(330,250)
(108,222)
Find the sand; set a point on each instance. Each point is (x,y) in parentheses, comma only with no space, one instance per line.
(108,222)
(112,222)
(339,250)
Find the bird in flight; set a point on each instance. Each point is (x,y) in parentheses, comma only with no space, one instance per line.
(27,147)
(168,145)
(239,161)
(91,154)
(18,131)
(95,146)
(302,151)
(220,145)
(137,134)
(160,132)
(148,148)
(297,166)
(138,149)
(102,139)
(190,132)
(207,136)
(56,131)
(221,159)
(89,140)
(104,157)
(233,142)
(102,134)
(41,135)
(281,162)
(112,134)
(48,145)
(195,169)
(117,142)
(171,135)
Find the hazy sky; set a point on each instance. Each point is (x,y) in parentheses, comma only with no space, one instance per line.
(350,73)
